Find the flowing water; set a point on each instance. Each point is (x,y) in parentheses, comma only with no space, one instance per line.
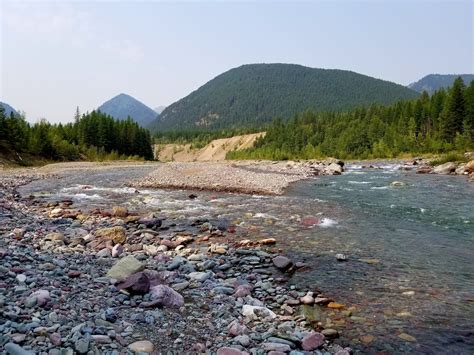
(409,279)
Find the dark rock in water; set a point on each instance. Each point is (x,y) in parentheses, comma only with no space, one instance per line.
(192,196)
(282,262)
(138,283)
(151,222)
(312,341)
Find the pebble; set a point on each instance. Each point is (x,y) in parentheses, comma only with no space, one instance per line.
(142,346)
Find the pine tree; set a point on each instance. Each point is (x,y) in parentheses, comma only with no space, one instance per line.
(454,112)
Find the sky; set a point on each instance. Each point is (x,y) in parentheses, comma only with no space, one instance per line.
(55,56)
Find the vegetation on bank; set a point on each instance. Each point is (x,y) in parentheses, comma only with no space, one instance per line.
(92,136)
(441,123)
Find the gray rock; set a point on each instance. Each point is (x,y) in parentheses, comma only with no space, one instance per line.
(15,349)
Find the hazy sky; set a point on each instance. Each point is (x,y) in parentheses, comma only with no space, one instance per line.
(59,55)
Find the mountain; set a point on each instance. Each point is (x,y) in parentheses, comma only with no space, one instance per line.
(159,109)
(8,109)
(252,95)
(123,105)
(433,82)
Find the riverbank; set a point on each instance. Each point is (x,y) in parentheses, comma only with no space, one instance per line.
(113,281)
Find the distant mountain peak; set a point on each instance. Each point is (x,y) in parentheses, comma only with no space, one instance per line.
(8,109)
(432,82)
(123,105)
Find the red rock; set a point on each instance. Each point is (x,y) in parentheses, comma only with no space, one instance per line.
(242,291)
(228,351)
(168,243)
(73,274)
(55,339)
(312,341)
(137,283)
(310,221)
(237,328)
(165,296)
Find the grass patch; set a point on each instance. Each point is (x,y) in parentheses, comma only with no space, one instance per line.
(453,156)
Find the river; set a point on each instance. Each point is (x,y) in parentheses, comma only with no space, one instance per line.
(408,283)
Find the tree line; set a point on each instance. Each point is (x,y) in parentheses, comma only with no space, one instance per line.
(93,136)
(438,123)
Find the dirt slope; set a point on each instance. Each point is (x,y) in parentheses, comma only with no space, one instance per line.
(214,151)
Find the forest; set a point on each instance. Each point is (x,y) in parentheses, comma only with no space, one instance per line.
(250,96)
(92,136)
(439,123)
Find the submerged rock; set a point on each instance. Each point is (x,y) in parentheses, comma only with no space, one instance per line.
(282,262)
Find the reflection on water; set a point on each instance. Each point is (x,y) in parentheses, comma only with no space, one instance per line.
(409,280)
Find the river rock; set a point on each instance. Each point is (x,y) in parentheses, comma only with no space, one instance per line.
(341,257)
(229,351)
(282,262)
(333,169)
(15,349)
(276,347)
(255,312)
(119,211)
(312,341)
(397,184)
(330,333)
(469,167)
(142,346)
(124,268)
(116,234)
(117,250)
(165,296)
(199,276)
(445,169)
(307,299)
(40,298)
(237,328)
(138,283)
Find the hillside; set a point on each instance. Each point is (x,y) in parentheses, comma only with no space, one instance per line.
(433,82)
(8,109)
(123,105)
(214,151)
(252,95)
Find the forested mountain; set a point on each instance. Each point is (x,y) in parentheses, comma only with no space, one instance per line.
(8,109)
(93,136)
(252,95)
(438,123)
(433,82)
(123,106)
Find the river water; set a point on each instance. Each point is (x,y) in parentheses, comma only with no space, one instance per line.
(408,283)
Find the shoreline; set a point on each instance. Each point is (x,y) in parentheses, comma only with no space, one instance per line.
(138,271)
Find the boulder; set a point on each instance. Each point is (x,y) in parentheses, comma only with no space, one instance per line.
(445,169)
(124,268)
(312,341)
(333,169)
(282,262)
(469,167)
(165,296)
(116,234)
(138,283)
(142,346)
